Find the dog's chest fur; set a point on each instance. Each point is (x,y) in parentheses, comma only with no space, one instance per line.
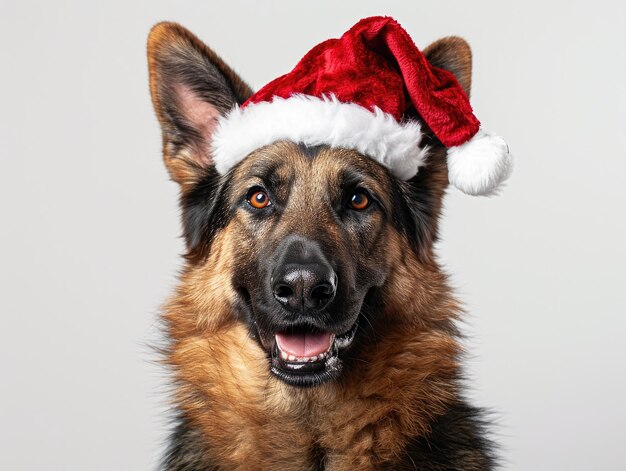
(455,443)
(232,419)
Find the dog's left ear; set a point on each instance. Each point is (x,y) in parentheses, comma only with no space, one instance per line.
(191,88)
(424,193)
(454,55)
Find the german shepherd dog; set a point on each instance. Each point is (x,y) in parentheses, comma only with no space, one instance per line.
(312,328)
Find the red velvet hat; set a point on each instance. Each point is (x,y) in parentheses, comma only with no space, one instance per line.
(354,92)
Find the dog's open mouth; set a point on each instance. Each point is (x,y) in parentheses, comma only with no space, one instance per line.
(304,347)
(305,356)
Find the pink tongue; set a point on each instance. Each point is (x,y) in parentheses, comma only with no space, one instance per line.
(304,344)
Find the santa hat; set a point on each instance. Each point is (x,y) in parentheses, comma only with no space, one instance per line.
(355,92)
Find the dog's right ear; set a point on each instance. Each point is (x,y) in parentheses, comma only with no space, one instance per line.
(191,88)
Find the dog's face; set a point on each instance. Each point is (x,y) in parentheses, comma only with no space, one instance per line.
(314,232)
(311,227)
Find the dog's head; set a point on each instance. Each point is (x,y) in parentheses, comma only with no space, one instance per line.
(309,236)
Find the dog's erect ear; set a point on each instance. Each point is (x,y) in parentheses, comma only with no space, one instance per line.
(190,87)
(454,55)
(425,192)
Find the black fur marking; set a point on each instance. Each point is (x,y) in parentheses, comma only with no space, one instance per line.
(318,458)
(414,213)
(457,443)
(311,151)
(187,451)
(205,212)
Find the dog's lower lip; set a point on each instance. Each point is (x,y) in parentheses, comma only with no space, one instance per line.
(345,339)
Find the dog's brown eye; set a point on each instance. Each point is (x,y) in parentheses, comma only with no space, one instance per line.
(258,199)
(359,200)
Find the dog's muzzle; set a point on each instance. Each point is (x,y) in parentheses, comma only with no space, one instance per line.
(304,284)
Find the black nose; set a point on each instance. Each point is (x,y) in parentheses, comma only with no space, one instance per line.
(304,287)
(303,280)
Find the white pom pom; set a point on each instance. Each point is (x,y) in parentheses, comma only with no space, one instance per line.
(479,166)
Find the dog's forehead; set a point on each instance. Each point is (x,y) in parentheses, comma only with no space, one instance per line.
(285,164)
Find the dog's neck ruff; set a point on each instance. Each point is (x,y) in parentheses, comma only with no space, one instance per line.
(316,121)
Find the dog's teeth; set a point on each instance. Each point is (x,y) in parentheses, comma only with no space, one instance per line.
(288,357)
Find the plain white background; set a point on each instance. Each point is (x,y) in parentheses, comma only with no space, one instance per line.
(90,233)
